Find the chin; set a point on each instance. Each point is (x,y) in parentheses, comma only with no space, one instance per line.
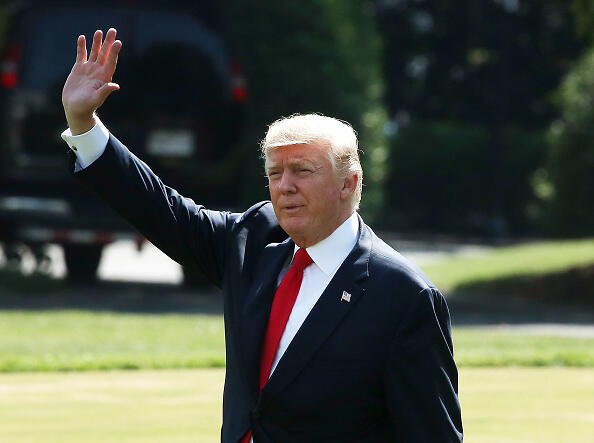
(293,225)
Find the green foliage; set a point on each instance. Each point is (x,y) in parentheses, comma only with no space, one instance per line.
(442,176)
(513,261)
(571,155)
(583,11)
(478,61)
(320,56)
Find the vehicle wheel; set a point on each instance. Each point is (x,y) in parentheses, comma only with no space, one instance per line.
(82,261)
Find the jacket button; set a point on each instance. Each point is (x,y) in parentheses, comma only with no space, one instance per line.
(256,414)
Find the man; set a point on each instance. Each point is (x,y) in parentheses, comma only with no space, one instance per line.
(331,335)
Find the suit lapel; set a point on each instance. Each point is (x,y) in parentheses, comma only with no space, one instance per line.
(326,314)
(256,312)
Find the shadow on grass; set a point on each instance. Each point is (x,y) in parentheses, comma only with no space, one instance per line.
(574,286)
(563,297)
(41,292)
(560,297)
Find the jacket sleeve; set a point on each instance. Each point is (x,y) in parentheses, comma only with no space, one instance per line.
(188,233)
(421,375)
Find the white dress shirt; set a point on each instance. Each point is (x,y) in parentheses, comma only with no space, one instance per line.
(89,146)
(327,255)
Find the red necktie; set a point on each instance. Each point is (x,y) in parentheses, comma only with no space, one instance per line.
(282,305)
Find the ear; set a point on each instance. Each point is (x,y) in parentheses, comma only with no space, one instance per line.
(348,186)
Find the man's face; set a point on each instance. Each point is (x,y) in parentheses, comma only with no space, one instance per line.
(308,198)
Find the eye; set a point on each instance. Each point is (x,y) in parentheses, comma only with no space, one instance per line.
(273,174)
(304,171)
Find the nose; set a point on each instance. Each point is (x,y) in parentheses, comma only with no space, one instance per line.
(287,183)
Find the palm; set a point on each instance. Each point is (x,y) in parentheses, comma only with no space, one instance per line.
(89,82)
(82,87)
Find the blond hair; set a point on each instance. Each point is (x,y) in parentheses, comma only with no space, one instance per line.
(337,135)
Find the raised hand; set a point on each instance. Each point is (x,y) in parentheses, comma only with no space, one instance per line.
(89,83)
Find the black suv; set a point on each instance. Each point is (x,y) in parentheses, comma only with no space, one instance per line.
(185,126)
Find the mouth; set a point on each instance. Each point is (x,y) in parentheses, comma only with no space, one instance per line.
(292,208)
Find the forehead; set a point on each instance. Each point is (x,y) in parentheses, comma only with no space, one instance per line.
(313,152)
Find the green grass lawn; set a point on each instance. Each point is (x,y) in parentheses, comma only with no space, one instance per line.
(526,260)
(528,405)
(57,340)
(111,406)
(501,401)
(475,346)
(82,340)
(67,339)
(504,405)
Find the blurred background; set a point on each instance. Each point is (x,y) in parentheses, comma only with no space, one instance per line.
(476,127)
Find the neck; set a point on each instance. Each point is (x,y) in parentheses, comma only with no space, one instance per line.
(307,241)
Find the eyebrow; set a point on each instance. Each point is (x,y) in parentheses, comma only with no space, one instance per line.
(295,163)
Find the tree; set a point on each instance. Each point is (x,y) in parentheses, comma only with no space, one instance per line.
(468,60)
(584,16)
(318,56)
(485,67)
(571,156)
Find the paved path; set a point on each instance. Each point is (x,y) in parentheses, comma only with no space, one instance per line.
(423,251)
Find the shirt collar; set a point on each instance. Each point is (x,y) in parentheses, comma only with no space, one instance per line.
(329,253)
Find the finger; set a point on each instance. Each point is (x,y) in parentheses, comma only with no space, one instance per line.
(109,39)
(112,58)
(96,45)
(105,90)
(81,49)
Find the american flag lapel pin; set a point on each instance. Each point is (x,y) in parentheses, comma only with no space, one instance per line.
(345,296)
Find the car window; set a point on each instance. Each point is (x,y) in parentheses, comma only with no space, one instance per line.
(51,35)
(154,27)
(50,50)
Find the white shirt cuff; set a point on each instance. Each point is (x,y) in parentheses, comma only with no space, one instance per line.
(89,146)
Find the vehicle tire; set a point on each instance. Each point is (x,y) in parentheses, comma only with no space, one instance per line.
(82,261)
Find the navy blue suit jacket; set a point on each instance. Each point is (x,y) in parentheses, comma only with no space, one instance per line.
(379,368)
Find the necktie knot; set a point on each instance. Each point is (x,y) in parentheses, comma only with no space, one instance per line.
(302,260)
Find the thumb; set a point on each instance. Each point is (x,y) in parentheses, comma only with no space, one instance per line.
(104,91)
